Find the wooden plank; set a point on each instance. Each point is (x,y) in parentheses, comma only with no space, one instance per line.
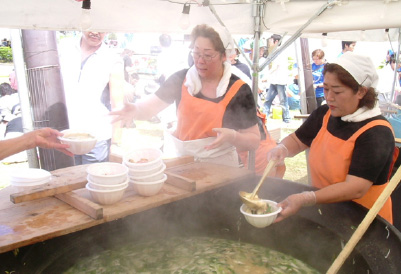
(180,181)
(90,208)
(38,220)
(63,180)
(178,161)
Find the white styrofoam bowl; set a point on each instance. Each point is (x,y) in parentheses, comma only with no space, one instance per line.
(77,146)
(149,178)
(106,187)
(106,197)
(145,172)
(261,220)
(152,155)
(149,188)
(107,173)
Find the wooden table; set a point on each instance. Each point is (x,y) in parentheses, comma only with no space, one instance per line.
(33,219)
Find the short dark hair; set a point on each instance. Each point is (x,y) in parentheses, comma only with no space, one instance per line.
(209,33)
(347,43)
(6,89)
(370,98)
(276,37)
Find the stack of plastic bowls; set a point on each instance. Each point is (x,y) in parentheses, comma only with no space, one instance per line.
(29,178)
(107,182)
(146,170)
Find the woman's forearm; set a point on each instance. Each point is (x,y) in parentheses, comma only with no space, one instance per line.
(248,139)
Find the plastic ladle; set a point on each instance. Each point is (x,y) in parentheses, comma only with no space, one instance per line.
(251,200)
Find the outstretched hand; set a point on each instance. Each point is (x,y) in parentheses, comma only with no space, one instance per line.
(293,203)
(223,135)
(125,115)
(47,138)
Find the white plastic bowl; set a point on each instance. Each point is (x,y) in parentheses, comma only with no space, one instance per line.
(106,197)
(261,220)
(152,155)
(106,187)
(149,188)
(107,173)
(24,186)
(145,172)
(77,146)
(29,175)
(156,176)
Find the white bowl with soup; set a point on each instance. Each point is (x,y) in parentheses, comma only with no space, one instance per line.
(261,219)
(144,159)
(80,142)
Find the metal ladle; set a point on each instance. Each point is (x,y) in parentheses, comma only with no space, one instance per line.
(251,200)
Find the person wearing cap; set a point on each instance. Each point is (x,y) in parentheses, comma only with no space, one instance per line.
(351,144)
(215,109)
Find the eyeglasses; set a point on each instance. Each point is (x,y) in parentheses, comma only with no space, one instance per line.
(205,57)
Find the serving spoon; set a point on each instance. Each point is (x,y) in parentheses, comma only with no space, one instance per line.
(251,200)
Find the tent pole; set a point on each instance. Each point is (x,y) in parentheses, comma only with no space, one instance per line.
(23,93)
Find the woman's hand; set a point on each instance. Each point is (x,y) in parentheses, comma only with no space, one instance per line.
(125,115)
(293,203)
(223,135)
(278,153)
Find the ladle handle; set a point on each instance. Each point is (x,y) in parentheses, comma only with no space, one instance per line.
(268,168)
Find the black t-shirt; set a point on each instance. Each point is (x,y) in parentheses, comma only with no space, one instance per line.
(240,112)
(373,151)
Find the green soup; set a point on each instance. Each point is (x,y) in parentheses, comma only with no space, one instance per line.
(191,255)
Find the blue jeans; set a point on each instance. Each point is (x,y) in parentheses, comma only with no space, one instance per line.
(273,91)
(100,153)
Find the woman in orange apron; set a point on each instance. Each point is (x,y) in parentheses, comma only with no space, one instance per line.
(351,143)
(215,109)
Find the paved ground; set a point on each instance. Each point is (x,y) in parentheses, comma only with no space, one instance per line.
(5,70)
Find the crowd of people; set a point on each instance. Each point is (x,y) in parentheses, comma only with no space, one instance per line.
(351,144)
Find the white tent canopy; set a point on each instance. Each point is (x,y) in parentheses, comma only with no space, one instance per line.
(346,19)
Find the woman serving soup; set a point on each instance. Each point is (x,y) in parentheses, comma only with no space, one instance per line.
(215,109)
(351,143)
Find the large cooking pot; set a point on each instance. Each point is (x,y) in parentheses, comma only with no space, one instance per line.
(315,235)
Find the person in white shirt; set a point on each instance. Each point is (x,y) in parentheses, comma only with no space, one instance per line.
(93,77)
(278,78)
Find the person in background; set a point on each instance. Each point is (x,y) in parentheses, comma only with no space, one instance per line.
(277,77)
(13,80)
(352,146)
(317,73)
(93,78)
(126,55)
(44,138)
(215,109)
(238,64)
(386,81)
(347,46)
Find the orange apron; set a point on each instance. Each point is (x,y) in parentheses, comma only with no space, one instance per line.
(330,158)
(197,117)
(260,155)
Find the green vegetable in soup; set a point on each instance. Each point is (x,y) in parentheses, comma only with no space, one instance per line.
(191,255)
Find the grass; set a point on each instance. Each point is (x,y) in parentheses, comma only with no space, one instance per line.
(296,167)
